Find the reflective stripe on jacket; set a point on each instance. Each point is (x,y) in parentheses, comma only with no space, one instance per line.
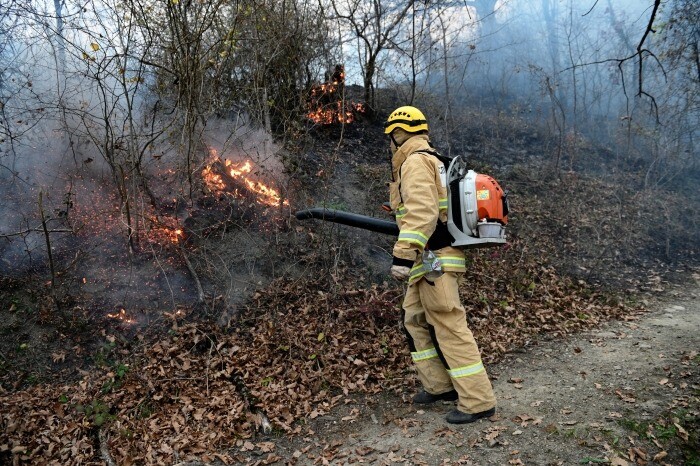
(418,195)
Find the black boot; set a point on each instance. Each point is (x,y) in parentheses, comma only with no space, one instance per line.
(458,417)
(424,397)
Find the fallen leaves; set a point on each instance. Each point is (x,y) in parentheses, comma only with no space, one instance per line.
(516,381)
(617,461)
(490,435)
(531,299)
(637,455)
(689,356)
(300,350)
(193,391)
(625,397)
(354,413)
(681,432)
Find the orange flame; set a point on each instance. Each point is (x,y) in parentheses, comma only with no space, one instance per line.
(122,316)
(213,180)
(164,230)
(330,114)
(265,194)
(327,106)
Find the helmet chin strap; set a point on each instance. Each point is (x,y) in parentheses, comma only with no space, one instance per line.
(396,144)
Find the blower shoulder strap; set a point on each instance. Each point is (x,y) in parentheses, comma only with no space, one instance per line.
(441,237)
(444,159)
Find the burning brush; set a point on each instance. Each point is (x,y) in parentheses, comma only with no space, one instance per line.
(327,104)
(122,317)
(164,230)
(235,187)
(224,176)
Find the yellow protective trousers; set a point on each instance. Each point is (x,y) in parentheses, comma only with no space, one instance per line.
(442,346)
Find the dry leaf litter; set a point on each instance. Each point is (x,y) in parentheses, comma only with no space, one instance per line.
(201,391)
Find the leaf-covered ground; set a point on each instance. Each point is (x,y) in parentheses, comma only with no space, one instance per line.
(301,347)
(625,393)
(295,353)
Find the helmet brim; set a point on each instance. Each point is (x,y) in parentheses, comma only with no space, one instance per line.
(410,126)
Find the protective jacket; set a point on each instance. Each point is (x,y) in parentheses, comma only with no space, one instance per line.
(418,195)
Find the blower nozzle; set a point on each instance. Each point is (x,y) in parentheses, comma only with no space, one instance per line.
(346,218)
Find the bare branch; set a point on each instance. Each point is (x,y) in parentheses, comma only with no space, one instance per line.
(35,230)
(592,8)
(640,53)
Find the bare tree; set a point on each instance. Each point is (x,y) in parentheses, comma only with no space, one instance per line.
(376,25)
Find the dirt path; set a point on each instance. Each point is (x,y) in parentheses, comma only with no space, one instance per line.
(623,393)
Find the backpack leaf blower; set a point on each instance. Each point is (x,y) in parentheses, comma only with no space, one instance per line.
(477,210)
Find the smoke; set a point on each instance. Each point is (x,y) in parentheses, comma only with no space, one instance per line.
(238,140)
(77,122)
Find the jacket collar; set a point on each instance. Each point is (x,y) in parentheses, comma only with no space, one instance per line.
(414,144)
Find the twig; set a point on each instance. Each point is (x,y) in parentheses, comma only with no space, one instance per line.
(104,448)
(240,385)
(211,348)
(48,245)
(74,261)
(195,277)
(639,52)
(36,230)
(596,2)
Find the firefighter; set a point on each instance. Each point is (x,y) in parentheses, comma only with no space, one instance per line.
(442,347)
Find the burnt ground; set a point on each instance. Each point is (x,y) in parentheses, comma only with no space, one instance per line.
(625,393)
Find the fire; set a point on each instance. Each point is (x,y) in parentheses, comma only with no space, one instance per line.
(359,107)
(327,104)
(223,177)
(236,172)
(122,316)
(213,180)
(164,230)
(242,172)
(327,115)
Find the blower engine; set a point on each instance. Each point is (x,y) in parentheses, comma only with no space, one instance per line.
(477,210)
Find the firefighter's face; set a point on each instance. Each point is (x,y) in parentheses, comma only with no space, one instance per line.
(392,144)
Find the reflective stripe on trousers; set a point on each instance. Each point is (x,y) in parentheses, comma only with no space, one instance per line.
(434,307)
(424,355)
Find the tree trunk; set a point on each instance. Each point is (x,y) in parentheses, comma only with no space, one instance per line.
(369,76)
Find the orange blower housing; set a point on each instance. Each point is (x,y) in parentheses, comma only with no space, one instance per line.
(477,211)
(491,202)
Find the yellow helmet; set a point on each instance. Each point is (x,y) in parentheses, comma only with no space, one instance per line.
(408,118)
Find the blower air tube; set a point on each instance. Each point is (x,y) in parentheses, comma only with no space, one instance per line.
(354,220)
